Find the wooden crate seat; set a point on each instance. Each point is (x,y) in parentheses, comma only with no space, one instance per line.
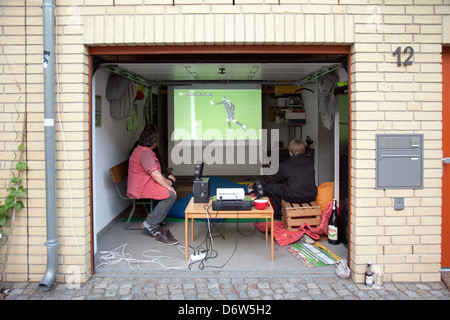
(295,215)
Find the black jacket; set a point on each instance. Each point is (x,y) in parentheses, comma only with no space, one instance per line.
(295,180)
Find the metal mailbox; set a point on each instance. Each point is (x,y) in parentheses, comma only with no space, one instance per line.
(399,161)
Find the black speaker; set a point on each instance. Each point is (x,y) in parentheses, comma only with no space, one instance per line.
(198,170)
(258,189)
(201,190)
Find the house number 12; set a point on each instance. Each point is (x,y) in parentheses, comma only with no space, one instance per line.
(407,61)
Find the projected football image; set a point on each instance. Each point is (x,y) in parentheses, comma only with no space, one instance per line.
(217,114)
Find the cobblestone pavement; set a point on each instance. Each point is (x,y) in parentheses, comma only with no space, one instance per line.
(227,287)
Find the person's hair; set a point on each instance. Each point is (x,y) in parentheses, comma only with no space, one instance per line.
(150,127)
(147,138)
(296,146)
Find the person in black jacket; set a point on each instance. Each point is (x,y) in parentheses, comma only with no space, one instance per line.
(295,179)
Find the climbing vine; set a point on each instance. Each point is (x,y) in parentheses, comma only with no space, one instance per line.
(15,192)
(11,205)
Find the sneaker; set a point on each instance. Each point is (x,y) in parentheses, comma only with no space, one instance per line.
(166,232)
(152,232)
(161,238)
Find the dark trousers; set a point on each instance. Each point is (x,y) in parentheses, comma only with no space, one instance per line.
(273,191)
(276,193)
(160,211)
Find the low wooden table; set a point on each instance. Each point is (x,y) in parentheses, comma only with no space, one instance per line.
(198,210)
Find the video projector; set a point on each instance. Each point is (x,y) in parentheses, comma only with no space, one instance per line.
(231,199)
(230,194)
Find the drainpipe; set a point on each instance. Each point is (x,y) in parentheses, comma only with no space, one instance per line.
(49,131)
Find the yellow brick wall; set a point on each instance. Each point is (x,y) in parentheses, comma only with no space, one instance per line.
(12,105)
(385,99)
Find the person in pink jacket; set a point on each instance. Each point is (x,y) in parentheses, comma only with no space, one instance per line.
(145,181)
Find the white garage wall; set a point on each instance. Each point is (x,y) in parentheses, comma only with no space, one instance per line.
(111,144)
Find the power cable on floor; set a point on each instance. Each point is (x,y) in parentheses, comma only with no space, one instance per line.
(117,255)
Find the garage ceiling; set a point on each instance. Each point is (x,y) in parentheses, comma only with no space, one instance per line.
(220,72)
(167,73)
(220,63)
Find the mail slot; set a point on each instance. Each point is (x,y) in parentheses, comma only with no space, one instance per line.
(399,161)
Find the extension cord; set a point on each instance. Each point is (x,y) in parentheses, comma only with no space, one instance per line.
(198,257)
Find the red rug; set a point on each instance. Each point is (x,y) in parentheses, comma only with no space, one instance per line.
(283,237)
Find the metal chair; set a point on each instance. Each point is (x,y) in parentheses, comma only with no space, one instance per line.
(118,173)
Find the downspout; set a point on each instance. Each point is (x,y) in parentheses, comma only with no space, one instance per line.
(49,132)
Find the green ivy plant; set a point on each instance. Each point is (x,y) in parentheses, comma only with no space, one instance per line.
(12,204)
(8,210)
(15,192)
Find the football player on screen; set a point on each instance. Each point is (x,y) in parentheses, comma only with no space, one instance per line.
(231,111)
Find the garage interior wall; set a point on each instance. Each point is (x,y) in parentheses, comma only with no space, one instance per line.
(385,98)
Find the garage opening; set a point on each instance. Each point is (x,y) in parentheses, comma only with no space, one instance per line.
(285,103)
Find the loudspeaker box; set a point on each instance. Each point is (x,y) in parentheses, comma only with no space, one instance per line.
(201,190)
